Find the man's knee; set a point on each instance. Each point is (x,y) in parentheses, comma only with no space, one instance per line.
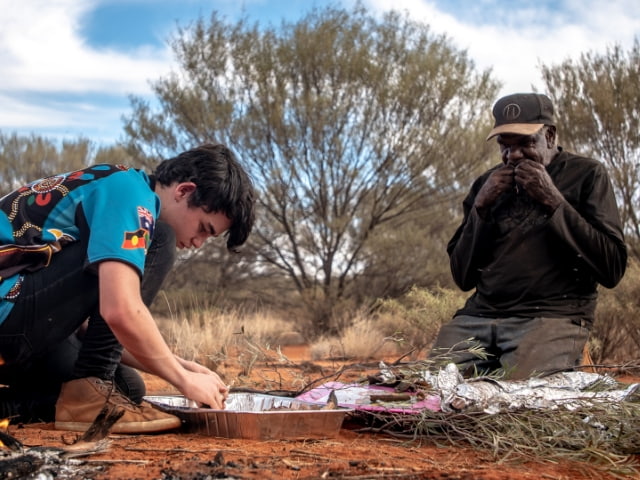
(554,344)
(130,383)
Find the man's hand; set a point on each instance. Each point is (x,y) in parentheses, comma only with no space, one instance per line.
(534,179)
(210,384)
(205,388)
(500,181)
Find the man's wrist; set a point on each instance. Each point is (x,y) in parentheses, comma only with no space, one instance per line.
(554,203)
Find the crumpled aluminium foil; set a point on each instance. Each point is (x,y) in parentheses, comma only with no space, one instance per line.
(567,389)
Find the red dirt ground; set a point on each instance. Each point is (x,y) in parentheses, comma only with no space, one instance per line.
(352,455)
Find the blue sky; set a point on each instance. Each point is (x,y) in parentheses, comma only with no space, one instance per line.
(67,67)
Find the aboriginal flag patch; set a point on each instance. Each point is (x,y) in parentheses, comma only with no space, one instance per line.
(137,239)
(141,237)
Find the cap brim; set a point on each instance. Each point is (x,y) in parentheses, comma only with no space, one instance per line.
(516,129)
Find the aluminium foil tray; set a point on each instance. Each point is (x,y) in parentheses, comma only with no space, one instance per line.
(255,416)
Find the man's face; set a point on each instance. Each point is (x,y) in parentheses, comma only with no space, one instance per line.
(538,147)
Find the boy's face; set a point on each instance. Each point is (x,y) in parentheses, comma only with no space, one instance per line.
(195,226)
(192,225)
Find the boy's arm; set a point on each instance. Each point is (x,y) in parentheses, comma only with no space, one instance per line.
(133,325)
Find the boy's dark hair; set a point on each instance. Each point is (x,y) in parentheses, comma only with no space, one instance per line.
(222,185)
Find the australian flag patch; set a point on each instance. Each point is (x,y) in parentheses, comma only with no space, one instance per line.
(140,238)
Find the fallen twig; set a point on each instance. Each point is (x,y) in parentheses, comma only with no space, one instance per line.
(118,461)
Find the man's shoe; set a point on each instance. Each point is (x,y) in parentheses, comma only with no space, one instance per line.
(81,401)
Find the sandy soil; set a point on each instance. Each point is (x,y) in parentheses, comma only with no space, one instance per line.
(350,455)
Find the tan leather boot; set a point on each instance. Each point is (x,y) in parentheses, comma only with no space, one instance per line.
(80,401)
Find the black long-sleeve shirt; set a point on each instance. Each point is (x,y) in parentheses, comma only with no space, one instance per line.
(523,261)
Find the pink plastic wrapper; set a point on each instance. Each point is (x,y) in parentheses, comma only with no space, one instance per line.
(358,397)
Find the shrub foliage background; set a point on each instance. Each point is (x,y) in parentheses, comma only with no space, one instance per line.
(362,135)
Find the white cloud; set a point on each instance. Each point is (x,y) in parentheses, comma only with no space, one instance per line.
(513,41)
(21,114)
(24,114)
(44,58)
(41,50)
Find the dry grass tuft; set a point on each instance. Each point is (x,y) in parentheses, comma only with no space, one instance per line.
(361,339)
(211,335)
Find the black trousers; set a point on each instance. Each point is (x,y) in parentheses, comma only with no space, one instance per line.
(38,340)
(518,346)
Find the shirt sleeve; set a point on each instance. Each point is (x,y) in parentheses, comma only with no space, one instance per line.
(468,246)
(593,230)
(120,213)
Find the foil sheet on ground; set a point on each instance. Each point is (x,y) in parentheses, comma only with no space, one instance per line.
(451,392)
(570,390)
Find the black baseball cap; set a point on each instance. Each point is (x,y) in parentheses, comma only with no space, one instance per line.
(522,114)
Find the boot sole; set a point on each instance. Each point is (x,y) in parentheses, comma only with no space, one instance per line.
(159,425)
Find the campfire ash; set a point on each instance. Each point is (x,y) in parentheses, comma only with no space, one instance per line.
(44,463)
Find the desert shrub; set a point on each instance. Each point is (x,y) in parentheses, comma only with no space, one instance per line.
(360,338)
(415,318)
(615,337)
